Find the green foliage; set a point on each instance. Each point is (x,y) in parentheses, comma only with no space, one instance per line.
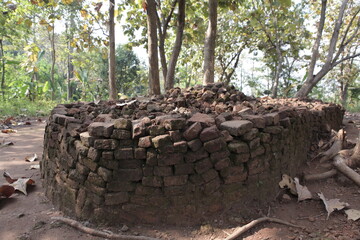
(25,108)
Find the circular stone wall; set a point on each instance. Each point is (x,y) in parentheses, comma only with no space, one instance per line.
(177,158)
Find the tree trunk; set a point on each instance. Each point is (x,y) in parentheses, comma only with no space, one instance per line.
(112,85)
(2,69)
(153,48)
(278,71)
(53,59)
(170,76)
(331,61)
(209,46)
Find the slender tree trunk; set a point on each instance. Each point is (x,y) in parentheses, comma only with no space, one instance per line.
(2,69)
(209,46)
(278,72)
(162,54)
(112,85)
(331,62)
(53,59)
(170,76)
(70,72)
(153,48)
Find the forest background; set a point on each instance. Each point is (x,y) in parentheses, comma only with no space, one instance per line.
(54,51)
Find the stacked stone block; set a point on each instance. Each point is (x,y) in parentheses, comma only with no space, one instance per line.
(171,168)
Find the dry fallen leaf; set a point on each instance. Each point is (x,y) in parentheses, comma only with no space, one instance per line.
(22,183)
(302,191)
(9,131)
(4,144)
(35,166)
(31,158)
(353,214)
(332,204)
(288,182)
(8,178)
(6,191)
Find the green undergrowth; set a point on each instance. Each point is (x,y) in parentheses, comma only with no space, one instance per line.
(353,107)
(25,108)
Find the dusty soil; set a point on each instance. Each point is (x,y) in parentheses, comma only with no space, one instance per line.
(29,217)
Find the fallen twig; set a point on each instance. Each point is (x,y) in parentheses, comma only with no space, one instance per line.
(240,230)
(94,232)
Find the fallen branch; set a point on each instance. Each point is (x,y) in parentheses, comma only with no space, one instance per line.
(240,230)
(340,164)
(320,176)
(94,232)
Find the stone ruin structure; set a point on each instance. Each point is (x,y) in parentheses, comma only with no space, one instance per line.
(177,158)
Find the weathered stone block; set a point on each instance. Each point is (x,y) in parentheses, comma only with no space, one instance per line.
(95,189)
(148,170)
(250,135)
(204,119)
(86,139)
(163,171)
(140,153)
(214,145)
(170,159)
(156,130)
(219,155)
(122,123)
(128,174)
(209,133)
(265,137)
(255,143)
(145,142)
(238,147)
(116,198)
(203,165)
(194,156)
(100,129)
(152,181)
(96,180)
(239,159)
(104,173)
(237,127)
(89,163)
(175,136)
(193,131)
(161,141)
(120,186)
(272,119)
(145,190)
(151,157)
(175,180)
(195,144)
(124,153)
(258,121)
(107,155)
(257,152)
(80,148)
(222,163)
(209,175)
(121,134)
(184,169)
(94,154)
(174,123)
(109,164)
(233,174)
(273,129)
(180,146)
(212,186)
(106,144)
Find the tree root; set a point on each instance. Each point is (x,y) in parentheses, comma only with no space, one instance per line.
(94,232)
(341,165)
(320,176)
(240,230)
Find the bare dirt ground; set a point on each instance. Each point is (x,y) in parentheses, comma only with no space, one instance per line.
(29,217)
